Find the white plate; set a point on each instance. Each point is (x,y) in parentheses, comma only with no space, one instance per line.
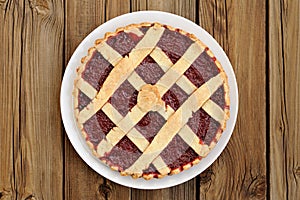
(66,99)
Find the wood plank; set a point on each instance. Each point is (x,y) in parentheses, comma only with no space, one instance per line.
(240,171)
(24,165)
(81,18)
(10,57)
(181,192)
(115,8)
(186,9)
(213,17)
(38,143)
(284,76)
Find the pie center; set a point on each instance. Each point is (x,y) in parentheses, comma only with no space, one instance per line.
(149,98)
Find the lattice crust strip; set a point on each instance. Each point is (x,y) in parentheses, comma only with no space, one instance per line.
(173,74)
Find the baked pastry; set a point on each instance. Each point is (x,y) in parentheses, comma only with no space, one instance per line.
(150,100)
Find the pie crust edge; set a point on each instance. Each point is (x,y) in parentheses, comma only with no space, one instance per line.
(81,68)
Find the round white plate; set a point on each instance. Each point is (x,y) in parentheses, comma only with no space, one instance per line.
(66,99)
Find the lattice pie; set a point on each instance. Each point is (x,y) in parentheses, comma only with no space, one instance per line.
(151,100)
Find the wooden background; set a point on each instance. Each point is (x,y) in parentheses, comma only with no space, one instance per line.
(261,38)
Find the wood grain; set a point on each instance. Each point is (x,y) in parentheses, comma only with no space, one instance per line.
(284,80)
(240,171)
(184,191)
(10,57)
(185,8)
(40,158)
(31,127)
(115,8)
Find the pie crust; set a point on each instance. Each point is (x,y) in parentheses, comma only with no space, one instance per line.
(150,100)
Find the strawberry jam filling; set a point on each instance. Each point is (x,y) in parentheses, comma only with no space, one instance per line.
(124,98)
(144,29)
(219,97)
(175,97)
(174,44)
(150,124)
(123,155)
(204,126)
(83,100)
(97,127)
(202,69)
(123,42)
(177,153)
(151,170)
(149,70)
(96,71)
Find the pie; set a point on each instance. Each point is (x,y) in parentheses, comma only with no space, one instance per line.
(150,100)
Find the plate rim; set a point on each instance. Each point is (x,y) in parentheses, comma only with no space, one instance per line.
(114,176)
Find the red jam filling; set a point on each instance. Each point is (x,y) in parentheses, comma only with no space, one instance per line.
(151,170)
(150,124)
(175,97)
(204,126)
(124,98)
(144,29)
(202,69)
(83,100)
(97,69)
(194,76)
(174,44)
(123,42)
(219,97)
(149,70)
(178,153)
(97,127)
(123,155)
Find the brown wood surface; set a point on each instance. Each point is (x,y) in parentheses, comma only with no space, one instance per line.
(262,41)
(284,73)
(31,130)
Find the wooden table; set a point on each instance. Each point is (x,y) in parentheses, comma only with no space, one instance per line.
(261,38)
